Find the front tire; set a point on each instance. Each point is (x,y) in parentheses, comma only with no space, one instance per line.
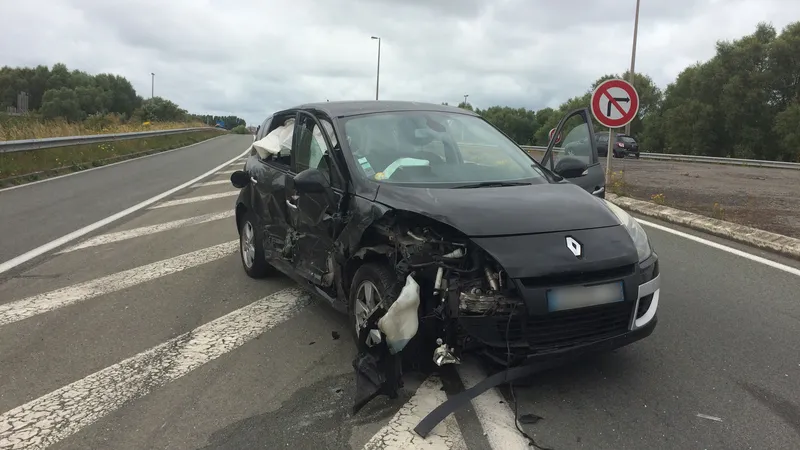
(374,285)
(251,248)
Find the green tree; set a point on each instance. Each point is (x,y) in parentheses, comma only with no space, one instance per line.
(518,123)
(158,109)
(463,105)
(61,102)
(787,133)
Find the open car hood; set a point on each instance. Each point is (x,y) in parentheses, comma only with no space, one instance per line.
(502,211)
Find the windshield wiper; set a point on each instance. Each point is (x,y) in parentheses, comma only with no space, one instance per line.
(492,184)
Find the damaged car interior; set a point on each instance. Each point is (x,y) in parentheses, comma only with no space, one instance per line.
(439,237)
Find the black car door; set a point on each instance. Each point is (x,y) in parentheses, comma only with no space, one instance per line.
(578,143)
(269,173)
(314,217)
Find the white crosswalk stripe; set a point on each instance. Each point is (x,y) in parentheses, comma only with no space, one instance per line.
(201,198)
(399,433)
(49,301)
(61,413)
(150,229)
(496,420)
(213,183)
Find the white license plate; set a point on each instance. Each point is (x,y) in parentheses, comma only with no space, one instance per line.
(572,297)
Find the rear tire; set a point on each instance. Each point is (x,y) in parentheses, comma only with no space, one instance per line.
(251,248)
(377,280)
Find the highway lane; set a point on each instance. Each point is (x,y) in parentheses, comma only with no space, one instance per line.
(726,346)
(174,347)
(35,214)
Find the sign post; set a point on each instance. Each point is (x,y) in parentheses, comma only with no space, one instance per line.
(614,104)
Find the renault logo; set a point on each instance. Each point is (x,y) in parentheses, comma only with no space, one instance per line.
(574,246)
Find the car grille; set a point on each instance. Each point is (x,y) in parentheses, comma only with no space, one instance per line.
(568,278)
(564,329)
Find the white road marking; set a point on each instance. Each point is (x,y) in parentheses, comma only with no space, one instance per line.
(704,416)
(200,198)
(38,251)
(399,433)
(213,183)
(109,165)
(150,229)
(49,301)
(724,248)
(496,418)
(225,172)
(61,413)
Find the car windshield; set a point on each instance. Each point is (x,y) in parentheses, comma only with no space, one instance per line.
(436,149)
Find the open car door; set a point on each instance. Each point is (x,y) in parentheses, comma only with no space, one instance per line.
(572,152)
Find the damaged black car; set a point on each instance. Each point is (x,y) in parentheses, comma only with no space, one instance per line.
(438,235)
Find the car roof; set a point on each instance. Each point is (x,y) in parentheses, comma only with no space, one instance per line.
(358,107)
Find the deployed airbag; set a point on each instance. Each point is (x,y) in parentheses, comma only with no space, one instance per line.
(401,321)
(277,142)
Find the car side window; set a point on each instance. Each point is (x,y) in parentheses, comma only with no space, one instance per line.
(310,150)
(262,131)
(275,145)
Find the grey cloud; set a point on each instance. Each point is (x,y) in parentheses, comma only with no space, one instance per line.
(251,57)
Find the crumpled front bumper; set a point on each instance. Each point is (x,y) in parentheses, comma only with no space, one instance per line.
(533,333)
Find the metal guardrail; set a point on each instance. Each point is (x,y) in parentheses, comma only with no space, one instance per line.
(696,159)
(38,144)
(727,161)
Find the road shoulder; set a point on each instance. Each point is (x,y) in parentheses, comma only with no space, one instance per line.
(783,245)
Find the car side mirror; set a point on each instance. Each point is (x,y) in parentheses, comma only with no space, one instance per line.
(311,181)
(571,167)
(240,179)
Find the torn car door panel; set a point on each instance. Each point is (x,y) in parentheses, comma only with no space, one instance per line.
(314,202)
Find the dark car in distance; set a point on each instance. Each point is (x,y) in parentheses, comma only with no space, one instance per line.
(624,145)
(509,253)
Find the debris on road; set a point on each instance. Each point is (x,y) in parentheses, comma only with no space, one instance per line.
(703,416)
(529,419)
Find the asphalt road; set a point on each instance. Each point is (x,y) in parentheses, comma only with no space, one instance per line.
(41,212)
(148,334)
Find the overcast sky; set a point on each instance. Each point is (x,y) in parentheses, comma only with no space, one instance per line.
(251,57)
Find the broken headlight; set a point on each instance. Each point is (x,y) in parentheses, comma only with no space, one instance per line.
(636,231)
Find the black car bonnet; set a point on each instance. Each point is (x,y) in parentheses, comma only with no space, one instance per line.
(503,211)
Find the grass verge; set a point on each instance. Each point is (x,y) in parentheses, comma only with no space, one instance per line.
(25,167)
(14,128)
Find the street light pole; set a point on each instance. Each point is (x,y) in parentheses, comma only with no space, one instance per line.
(378,78)
(152,84)
(633,57)
(465,99)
